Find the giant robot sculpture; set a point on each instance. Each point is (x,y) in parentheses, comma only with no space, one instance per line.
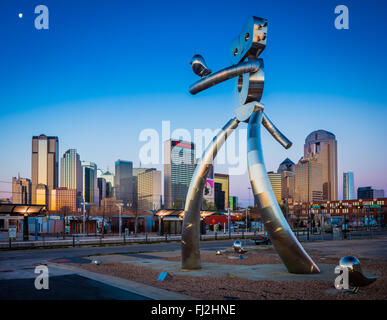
(249,69)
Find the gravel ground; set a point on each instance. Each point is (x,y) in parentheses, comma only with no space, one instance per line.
(238,288)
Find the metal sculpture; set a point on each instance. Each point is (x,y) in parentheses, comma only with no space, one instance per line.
(249,69)
(238,247)
(356,278)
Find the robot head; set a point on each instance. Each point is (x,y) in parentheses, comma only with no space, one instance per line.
(251,41)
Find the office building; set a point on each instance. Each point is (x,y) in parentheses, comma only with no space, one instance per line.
(276,184)
(219,197)
(286,165)
(224,181)
(233,202)
(309,185)
(90,192)
(61,198)
(288,179)
(149,190)
(101,182)
(123,182)
(348,186)
(179,166)
(369,193)
(44,171)
(21,190)
(322,146)
(109,178)
(136,172)
(71,173)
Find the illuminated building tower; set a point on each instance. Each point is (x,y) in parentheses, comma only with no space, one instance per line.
(63,197)
(309,185)
(71,173)
(44,168)
(123,182)
(348,186)
(322,146)
(275,181)
(21,190)
(149,190)
(179,165)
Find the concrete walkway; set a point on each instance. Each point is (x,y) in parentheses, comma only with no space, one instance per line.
(124,284)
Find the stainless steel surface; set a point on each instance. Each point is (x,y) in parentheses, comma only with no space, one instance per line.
(238,247)
(248,45)
(244,111)
(355,273)
(199,66)
(190,238)
(286,244)
(285,142)
(250,85)
(225,74)
(251,41)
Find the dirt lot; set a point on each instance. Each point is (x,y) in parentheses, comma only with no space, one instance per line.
(231,287)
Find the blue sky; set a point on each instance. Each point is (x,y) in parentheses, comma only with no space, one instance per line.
(105,70)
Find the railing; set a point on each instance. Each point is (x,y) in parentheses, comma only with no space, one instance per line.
(80,240)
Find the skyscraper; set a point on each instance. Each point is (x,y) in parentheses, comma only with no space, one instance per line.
(109,177)
(44,168)
(309,185)
(101,189)
(149,190)
(90,192)
(286,165)
(63,197)
(224,181)
(275,181)
(179,166)
(136,172)
(21,190)
(348,186)
(322,146)
(288,179)
(71,173)
(123,182)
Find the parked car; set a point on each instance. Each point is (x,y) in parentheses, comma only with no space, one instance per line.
(261,239)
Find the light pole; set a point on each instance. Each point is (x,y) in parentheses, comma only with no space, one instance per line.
(229,223)
(84,204)
(119,205)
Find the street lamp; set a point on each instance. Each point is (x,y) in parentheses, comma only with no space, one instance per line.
(84,204)
(119,205)
(229,222)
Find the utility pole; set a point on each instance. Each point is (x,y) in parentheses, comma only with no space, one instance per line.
(84,216)
(120,218)
(229,223)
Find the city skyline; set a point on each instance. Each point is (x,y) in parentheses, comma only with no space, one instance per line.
(113,87)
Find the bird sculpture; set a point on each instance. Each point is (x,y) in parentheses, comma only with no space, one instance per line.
(199,66)
(238,247)
(355,274)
